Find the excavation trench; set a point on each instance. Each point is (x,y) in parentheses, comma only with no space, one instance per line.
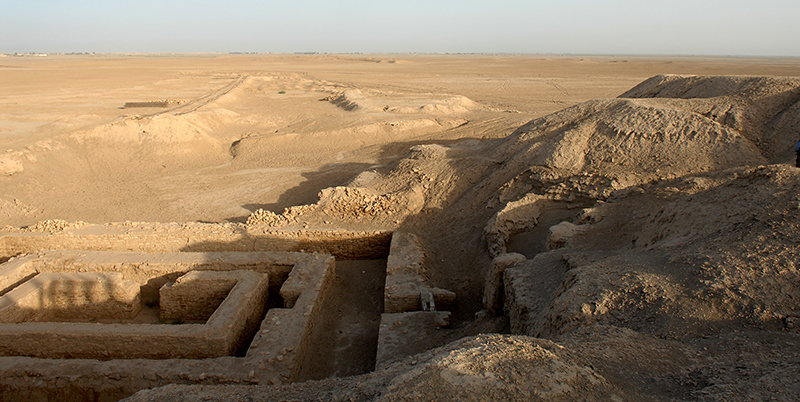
(345,339)
(317,316)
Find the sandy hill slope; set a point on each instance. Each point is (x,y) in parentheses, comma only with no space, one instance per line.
(764,109)
(653,237)
(580,155)
(266,139)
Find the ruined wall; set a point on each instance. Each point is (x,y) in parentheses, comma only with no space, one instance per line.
(71,296)
(152,255)
(407,280)
(194,297)
(274,356)
(198,237)
(217,337)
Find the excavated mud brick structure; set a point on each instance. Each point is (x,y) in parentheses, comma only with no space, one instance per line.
(102,311)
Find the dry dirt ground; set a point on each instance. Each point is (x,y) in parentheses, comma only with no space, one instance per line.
(629,224)
(71,151)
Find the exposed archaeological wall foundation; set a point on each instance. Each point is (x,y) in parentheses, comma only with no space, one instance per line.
(101,311)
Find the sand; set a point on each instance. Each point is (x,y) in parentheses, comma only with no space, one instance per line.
(70,150)
(628,224)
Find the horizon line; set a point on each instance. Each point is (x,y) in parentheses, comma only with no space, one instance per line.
(311,53)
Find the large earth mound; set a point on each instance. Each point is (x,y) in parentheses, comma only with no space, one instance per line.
(643,247)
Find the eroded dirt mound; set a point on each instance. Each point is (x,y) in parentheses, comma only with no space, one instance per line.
(687,258)
(626,141)
(389,102)
(604,363)
(682,234)
(496,367)
(765,109)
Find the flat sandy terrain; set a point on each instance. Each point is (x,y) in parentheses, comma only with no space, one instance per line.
(71,151)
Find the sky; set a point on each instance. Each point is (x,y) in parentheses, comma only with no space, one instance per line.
(631,27)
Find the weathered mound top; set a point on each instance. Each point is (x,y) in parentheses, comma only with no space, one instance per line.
(372,101)
(695,86)
(666,127)
(631,135)
(764,109)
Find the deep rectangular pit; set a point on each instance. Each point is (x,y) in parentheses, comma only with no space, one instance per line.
(346,340)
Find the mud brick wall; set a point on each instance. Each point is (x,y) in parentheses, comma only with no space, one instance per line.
(146,104)
(198,237)
(218,337)
(275,355)
(194,297)
(71,296)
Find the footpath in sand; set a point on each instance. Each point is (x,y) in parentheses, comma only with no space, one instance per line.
(639,243)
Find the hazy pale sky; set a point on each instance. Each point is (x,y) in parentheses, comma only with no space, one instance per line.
(671,27)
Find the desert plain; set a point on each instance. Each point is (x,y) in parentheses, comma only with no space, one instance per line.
(609,227)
